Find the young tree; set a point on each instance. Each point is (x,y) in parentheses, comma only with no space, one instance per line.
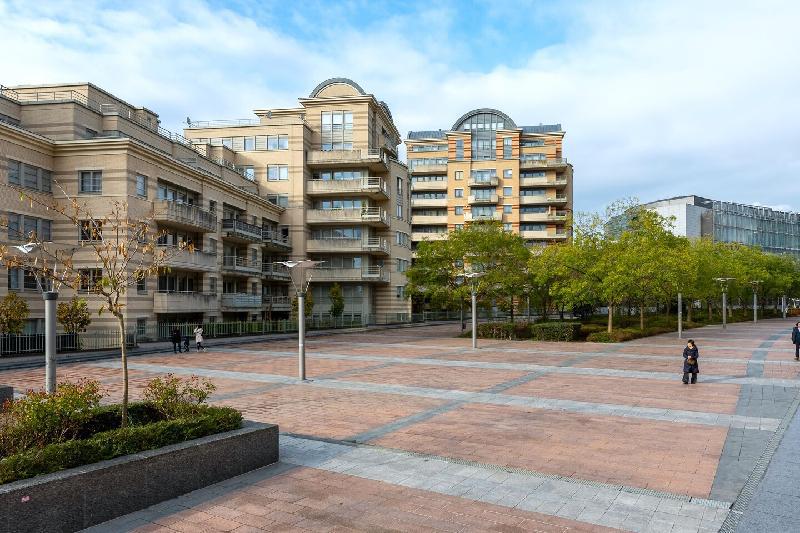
(337,300)
(74,315)
(123,248)
(309,305)
(13,313)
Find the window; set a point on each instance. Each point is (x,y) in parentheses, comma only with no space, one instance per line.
(14,277)
(91,182)
(532,209)
(344,203)
(533,174)
(459,174)
(399,213)
(89,278)
(45,230)
(141,186)
(173,193)
(532,227)
(14,172)
(141,285)
(399,187)
(141,327)
(249,144)
(339,175)
(527,143)
(14,233)
(91,230)
(459,210)
(429,147)
(254,288)
(507,147)
(400,290)
(426,161)
(507,191)
(507,209)
(459,227)
(20,227)
(507,226)
(532,192)
(254,256)
(459,193)
(212,206)
(281,200)
(30,177)
(248,171)
(508,173)
(278,172)
(212,246)
(337,130)
(459,149)
(277,142)
(212,285)
(46,181)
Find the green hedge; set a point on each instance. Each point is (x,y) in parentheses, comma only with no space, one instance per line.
(118,442)
(555,331)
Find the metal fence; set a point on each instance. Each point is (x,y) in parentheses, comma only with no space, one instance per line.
(107,339)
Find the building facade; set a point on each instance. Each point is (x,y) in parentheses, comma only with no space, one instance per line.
(485,167)
(331,164)
(78,141)
(696,217)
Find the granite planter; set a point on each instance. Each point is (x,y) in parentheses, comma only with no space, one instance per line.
(80,497)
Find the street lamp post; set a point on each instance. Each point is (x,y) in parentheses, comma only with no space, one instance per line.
(755,283)
(473,276)
(297,271)
(680,316)
(724,284)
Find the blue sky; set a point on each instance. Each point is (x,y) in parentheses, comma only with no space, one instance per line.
(658,98)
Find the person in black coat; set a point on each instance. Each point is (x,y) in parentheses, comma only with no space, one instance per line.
(175,337)
(796,341)
(690,366)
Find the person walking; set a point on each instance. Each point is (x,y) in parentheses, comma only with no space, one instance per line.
(796,341)
(198,338)
(690,366)
(175,337)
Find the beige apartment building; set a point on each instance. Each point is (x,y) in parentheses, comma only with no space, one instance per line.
(320,181)
(485,167)
(79,141)
(331,164)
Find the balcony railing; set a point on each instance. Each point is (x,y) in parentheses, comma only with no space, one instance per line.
(278,303)
(471,217)
(240,300)
(418,236)
(428,219)
(429,202)
(484,181)
(487,199)
(189,260)
(184,302)
(238,264)
(440,185)
(186,215)
(241,230)
(201,124)
(539,163)
(275,239)
(275,271)
(363,215)
(367,185)
(369,156)
(428,169)
(367,273)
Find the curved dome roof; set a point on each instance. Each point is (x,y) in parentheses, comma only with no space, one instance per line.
(334,81)
(508,123)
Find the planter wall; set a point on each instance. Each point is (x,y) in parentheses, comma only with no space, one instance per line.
(80,497)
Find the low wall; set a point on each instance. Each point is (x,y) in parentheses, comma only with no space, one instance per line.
(80,497)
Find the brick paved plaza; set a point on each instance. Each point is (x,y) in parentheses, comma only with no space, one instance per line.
(411,430)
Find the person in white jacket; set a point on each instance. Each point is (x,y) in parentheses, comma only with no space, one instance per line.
(198,338)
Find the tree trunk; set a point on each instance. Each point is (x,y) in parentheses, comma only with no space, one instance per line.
(641,317)
(666,307)
(689,310)
(512,309)
(610,317)
(709,311)
(123,351)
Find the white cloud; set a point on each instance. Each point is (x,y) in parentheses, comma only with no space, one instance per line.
(658,98)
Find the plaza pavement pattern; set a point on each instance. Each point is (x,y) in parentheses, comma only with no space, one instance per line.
(412,430)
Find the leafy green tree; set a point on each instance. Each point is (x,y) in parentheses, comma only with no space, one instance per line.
(337,300)
(14,312)
(308,304)
(74,315)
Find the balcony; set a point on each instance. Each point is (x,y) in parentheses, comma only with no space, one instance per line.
(419,236)
(483,199)
(429,185)
(542,234)
(373,245)
(184,302)
(429,202)
(238,231)
(232,264)
(493,181)
(275,272)
(543,163)
(277,303)
(426,219)
(273,240)
(539,199)
(240,300)
(376,274)
(428,169)
(186,260)
(374,216)
(373,187)
(184,216)
(557,199)
(373,158)
(470,217)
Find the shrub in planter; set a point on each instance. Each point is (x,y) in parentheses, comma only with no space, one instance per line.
(39,418)
(555,331)
(174,397)
(504,330)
